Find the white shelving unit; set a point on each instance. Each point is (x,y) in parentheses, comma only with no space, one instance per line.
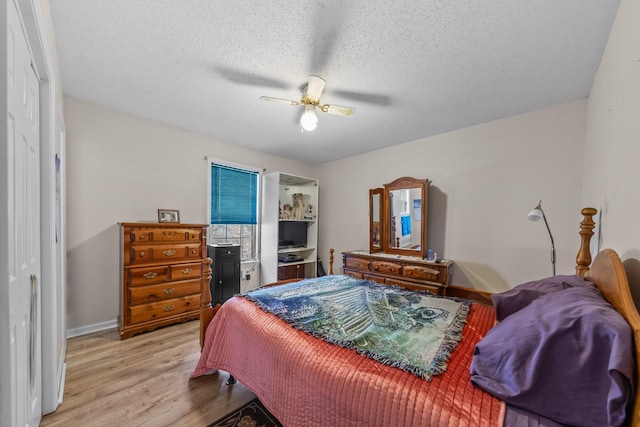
(278,190)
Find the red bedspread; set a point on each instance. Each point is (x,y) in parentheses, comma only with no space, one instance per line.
(305,381)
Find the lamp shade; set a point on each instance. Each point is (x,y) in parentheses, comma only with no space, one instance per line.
(309,120)
(535,214)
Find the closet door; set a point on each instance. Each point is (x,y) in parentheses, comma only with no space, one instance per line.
(21,365)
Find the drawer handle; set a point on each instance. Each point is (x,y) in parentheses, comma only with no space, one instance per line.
(150,275)
(193,251)
(142,237)
(356,263)
(169,291)
(169,308)
(169,252)
(169,233)
(141,253)
(187,271)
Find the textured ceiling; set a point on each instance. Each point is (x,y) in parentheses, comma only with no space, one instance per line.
(412,69)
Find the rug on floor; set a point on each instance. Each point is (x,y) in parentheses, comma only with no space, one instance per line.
(252,414)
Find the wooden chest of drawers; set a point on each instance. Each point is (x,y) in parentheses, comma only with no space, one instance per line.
(406,271)
(164,268)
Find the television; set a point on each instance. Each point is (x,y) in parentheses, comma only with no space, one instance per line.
(292,234)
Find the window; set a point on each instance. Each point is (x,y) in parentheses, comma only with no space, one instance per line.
(233,206)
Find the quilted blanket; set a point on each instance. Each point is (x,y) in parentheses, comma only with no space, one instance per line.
(413,331)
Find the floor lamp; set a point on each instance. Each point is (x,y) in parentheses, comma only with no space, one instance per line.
(535,215)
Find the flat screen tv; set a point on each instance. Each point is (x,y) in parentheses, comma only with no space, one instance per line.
(292,234)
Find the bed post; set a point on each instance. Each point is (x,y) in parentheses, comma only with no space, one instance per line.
(206,311)
(583,260)
(331,261)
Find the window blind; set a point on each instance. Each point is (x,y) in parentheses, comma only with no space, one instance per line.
(234,195)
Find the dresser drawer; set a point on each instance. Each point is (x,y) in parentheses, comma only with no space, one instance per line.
(176,235)
(141,254)
(185,271)
(386,267)
(357,263)
(164,291)
(145,235)
(147,275)
(435,288)
(421,273)
(158,310)
(356,274)
(137,236)
(373,278)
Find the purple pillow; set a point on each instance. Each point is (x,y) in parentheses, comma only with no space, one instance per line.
(510,301)
(567,356)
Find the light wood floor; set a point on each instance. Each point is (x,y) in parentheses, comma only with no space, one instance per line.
(142,381)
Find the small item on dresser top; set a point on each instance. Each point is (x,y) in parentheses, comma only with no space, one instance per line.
(429,255)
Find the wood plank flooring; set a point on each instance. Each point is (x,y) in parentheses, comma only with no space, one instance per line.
(142,381)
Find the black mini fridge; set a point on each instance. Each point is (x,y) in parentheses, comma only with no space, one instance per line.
(225,266)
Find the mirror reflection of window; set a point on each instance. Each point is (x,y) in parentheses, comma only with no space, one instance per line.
(404,201)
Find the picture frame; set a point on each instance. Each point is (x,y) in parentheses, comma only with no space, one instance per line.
(169,215)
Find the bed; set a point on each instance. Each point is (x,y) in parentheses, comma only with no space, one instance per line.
(304,380)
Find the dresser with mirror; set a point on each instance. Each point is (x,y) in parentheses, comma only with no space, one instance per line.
(397,255)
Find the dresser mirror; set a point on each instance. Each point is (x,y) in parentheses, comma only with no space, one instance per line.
(375,220)
(405,203)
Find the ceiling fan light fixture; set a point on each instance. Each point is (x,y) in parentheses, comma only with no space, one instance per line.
(309,120)
(311,99)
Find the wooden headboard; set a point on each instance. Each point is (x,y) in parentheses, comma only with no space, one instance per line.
(607,272)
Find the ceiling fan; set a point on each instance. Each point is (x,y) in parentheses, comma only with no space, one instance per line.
(311,100)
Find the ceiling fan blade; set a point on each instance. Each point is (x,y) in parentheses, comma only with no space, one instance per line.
(327,31)
(281,100)
(338,109)
(315,87)
(250,79)
(369,98)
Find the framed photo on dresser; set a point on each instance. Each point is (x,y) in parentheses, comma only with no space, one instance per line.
(168,215)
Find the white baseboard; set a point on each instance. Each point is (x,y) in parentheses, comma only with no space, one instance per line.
(89,329)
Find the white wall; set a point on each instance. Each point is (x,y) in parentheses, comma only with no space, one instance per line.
(123,168)
(485,180)
(612,153)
